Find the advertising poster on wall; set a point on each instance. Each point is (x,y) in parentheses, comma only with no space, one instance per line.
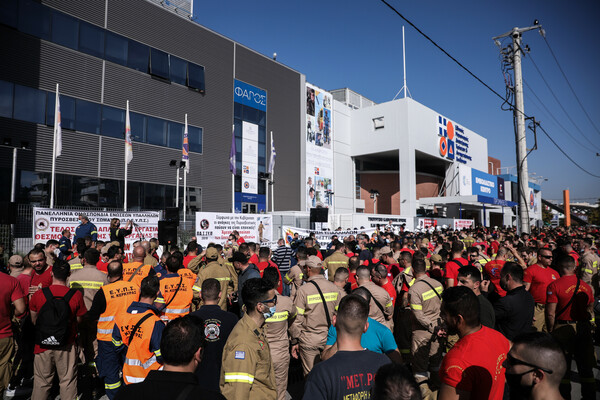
(48,223)
(216,227)
(319,152)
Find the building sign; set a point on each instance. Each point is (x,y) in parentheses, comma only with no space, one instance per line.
(484,184)
(453,141)
(319,153)
(249,95)
(249,157)
(216,227)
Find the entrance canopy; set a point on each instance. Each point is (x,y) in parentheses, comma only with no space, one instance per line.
(473,200)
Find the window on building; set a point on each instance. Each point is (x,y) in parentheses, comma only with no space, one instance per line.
(238,182)
(262,118)
(10,12)
(34,19)
(156,131)
(88,116)
(159,63)
(116,48)
(29,104)
(6,99)
(137,56)
(91,39)
(251,115)
(237,110)
(195,139)
(65,30)
(113,122)
(237,128)
(196,77)
(178,70)
(176,135)
(138,127)
(262,186)
(262,134)
(67,111)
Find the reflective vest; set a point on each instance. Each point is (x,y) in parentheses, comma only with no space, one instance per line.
(139,360)
(188,274)
(130,268)
(119,295)
(179,305)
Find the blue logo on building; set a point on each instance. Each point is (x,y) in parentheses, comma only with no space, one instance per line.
(249,95)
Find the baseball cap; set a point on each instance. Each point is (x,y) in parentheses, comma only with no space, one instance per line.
(436,258)
(313,262)
(386,250)
(239,257)
(16,261)
(212,253)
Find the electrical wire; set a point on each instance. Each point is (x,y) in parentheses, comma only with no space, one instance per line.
(570,87)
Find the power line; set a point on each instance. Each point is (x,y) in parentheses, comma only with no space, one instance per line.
(571,87)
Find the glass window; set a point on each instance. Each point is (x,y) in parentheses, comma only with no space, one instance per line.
(67,111)
(34,19)
(91,39)
(262,168)
(176,135)
(159,63)
(138,127)
(65,30)
(262,186)
(6,99)
(113,122)
(30,104)
(237,126)
(137,56)
(262,134)
(262,118)
(196,77)
(116,48)
(195,139)
(9,14)
(238,182)
(262,150)
(87,116)
(156,132)
(250,114)
(178,69)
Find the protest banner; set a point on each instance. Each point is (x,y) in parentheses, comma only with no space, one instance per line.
(460,224)
(323,237)
(216,227)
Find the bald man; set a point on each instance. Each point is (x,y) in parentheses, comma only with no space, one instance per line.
(535,366)
(137,270)
(149,259)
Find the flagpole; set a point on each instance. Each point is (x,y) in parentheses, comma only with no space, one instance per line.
(56,127)
(126,161)
(185,172)
(272,178)
(232,172)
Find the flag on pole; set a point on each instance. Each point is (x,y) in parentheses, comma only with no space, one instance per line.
(273,154)
(232,160)
(57,127)
(185,151)
(128,144)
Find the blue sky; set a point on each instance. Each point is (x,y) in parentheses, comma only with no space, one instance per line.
(358,44)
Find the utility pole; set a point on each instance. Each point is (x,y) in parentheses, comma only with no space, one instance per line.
(519,115)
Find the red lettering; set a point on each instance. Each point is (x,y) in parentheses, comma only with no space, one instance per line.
(355,380)
(361,381)
(369,379)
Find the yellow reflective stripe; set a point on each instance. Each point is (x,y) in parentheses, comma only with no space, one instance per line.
(404,351)
(92,232)
(278,316)
(86,284)
(411,282)
(301,275)
(196,288)
(391,303)
(158,353)
(111,386)
(595,264)
(589,271)
(223,279)
(159,300)
(300,310)
(416,306)
(316,298)
(431,293)
(239,377)
(287,278)
(337,262)
(117,343)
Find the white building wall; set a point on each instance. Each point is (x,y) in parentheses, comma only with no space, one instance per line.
(343,171)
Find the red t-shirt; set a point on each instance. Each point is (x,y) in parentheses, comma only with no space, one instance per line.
(393,270)
(452,268)
(240,241)
(493,269)
(474,364)
(253,259)
(24,281)
(320,255)
(391,290)
(561,290)
(45,278)
(102,266)
(77,309)
(10,290)
(539,278)
(187,259)
(411,251)
(352,280)
(263,265)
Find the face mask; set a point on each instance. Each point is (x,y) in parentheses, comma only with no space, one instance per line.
(269,314)
(80,222)
(517,390)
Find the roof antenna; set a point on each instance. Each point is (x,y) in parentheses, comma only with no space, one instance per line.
(405,87)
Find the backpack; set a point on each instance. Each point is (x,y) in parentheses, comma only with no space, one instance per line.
(54,320)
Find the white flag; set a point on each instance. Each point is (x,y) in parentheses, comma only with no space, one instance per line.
(128,144)
(57,126)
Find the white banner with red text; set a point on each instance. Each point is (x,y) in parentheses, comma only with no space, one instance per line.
(323,237)
(216,227)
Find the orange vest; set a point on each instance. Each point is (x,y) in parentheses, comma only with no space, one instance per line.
(188,274)
(119,295)
(139,361)
(179,305)
(129,269)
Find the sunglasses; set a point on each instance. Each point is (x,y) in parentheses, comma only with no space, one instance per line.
(515,361)
(273,300)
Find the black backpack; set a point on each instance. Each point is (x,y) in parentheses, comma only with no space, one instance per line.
(54,320)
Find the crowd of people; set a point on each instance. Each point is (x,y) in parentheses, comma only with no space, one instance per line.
(473,314)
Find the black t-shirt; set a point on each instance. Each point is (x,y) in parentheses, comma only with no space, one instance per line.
(218,324)
(486,312)
(347,373)
(161,385)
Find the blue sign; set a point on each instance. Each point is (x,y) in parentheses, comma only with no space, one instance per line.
(249,95)
(496,202)
(484,184)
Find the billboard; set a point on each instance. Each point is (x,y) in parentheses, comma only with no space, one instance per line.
(484,184)
(319,152)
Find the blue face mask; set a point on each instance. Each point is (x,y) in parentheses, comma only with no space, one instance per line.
(269,314)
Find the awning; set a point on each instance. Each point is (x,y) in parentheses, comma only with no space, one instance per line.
(474,200)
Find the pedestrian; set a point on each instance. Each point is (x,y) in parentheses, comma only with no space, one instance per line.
(85,229)
(351,371)
(214,270)
(294,278)
(589,264)
(247,368)
(246,271)
(455,263)
(118,234)
(395,382)
(137,269)
(537,278)
(479,350)
(340,280)
(42,273)
(315,302)
(282,256)
(493,269)
(383,309)
(111,300)
(55,350)
(64,244)
(176,292)
(11,295)
(381,277)
(336,260)
(182,348)
(218,325)
(138,332)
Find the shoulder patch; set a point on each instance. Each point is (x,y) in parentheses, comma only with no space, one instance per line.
(240,355)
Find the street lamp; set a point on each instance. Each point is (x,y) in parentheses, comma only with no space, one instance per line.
(374,196)
(173,163)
